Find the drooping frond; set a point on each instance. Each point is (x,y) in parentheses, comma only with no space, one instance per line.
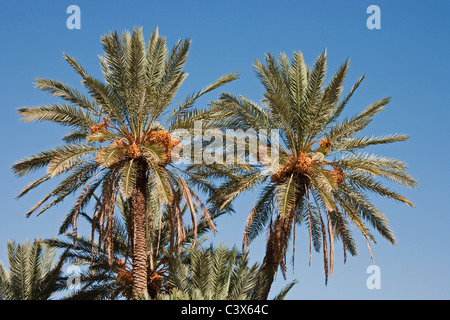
(128,180)
(286,196)
(63,114)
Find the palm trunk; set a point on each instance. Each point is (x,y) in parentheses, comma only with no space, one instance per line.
(139,243)
(276,245)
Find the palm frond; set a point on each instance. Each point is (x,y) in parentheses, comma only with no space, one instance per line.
(260,214)
(63,114)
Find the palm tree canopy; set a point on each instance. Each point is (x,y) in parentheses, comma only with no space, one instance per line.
(119,127)
(33,274)
(215,274)
(324,174)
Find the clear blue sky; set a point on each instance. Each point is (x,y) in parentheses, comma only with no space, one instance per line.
(406,59)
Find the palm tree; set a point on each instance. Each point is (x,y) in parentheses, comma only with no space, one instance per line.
(323,178)
(215,274)
(118,141)
(32,274)
(100,280)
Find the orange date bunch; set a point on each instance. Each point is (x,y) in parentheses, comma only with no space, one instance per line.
(132,149)
(101,127)
(301,164)
(325,144)
(338,175)
(125,279)
(124,274)
(164,139)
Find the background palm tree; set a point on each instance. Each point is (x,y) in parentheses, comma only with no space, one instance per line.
(33,274)
(323,178)
(118,141)
(215,274)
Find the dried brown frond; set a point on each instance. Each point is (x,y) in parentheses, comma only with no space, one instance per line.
(177,230)
(277,241)
(331,236)
(205,211)
(187,195)
(76,211)
(108,201)
(251,217)
(181,231)
(343,231)
(95,219)
(309,224)
(325,250)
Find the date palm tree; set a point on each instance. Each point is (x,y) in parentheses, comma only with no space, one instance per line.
(323,178)
(215,273)
(33,274)
(119,140)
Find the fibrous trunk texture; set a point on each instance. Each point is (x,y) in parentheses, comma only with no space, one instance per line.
(137,212)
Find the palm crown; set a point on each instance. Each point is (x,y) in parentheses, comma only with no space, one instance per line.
(216,274)
(33,274)
(118,141)
(323,177)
